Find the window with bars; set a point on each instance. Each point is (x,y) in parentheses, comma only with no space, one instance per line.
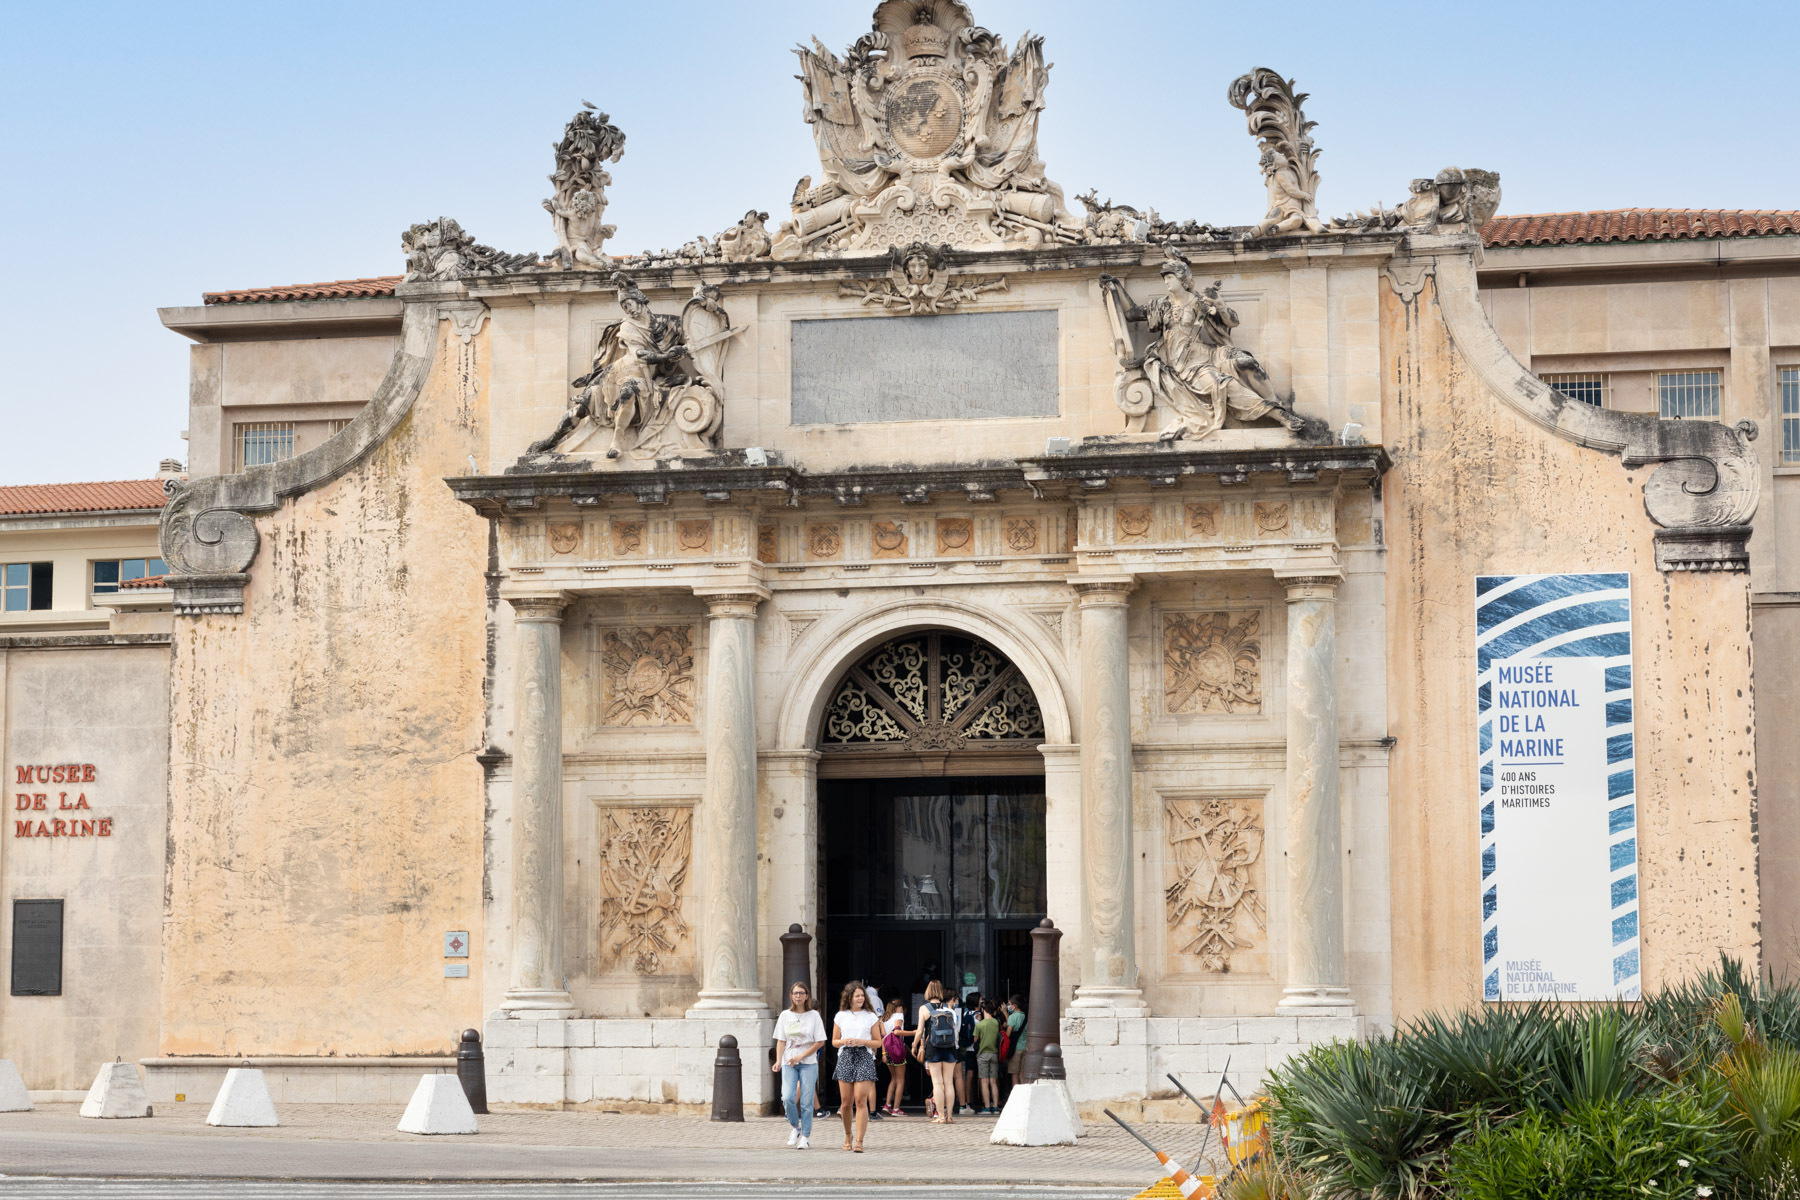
(335,427)
(1589,389)
(109,573)
(1687,394)
(25,587)
(1790,414)
(262,442)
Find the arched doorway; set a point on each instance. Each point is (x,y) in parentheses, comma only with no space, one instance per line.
(932,807)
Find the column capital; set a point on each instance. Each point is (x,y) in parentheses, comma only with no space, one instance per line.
(539,606)
(1311,587)
(1103,589)
(729,602)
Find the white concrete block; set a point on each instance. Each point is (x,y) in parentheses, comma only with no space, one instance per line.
(600,1061)
(1134,1031)
(622,1033)
(505,1035)
(578,1033)
(1037,1114)
(438,1106)
(1209,1031)
(118,1091)
(243,1101)
(683,1034)
(552,1034)
(13,1096)
(1164,1031)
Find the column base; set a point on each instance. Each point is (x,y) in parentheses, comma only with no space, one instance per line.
(730,1005)
(1319,996)
(1099,1000)
(537,1004)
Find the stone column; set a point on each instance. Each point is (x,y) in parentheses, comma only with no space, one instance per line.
(1109,944)
(728,983)
(1315,973)
(537,846)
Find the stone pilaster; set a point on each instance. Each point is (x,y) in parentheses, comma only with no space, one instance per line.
(728,980)
(537,849)
(1315,973)
(1109,944)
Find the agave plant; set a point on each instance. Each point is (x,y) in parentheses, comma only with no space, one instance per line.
(1762,1097)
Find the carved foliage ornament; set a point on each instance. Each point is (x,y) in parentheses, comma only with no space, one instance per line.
(578,207)
(1212,663)
(1289,160)
(648,674)
(440,250)
(644,859)
(1213,898)
(932,691)
(917,281)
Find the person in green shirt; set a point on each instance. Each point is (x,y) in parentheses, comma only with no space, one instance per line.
(1015,1023)
(987,1058)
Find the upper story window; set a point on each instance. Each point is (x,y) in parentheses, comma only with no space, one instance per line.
(110,573)
(1589,388)
(1790,414)
(1688,394)
(262,442)
(26,586)
(336,426)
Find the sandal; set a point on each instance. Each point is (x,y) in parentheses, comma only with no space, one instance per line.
(858,1149)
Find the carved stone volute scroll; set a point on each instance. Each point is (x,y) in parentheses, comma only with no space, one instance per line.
(1289,160)
(1704,493)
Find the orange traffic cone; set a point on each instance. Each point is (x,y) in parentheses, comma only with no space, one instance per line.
(1190,1186)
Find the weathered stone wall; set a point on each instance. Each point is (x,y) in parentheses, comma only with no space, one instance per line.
(326,803)
(1477,488)
(94,703)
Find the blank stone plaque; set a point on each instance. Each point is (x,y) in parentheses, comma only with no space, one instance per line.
(37,947)
(955,367)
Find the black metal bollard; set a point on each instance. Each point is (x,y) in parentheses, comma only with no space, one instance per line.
(471,1070)
(1053,1064)
(1043,1020)
(796,960)
(728,1082)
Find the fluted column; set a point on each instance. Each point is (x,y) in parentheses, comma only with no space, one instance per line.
(537,894)
(1109,944)
(1315,974)
(728,810)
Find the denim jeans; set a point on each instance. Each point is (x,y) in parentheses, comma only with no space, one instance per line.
(807,1076)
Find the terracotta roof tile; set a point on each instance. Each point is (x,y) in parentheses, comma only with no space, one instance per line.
(145,584)
(81,497)
(1636,225)
(335,289)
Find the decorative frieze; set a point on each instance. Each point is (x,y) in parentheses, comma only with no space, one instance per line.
(647,675)
(955,535)
(1020,534)
(643,865)
(564,537)
(1272,518)
(1212,662)
(1214,892)
(888,539)
(628,537)
(825,540)
(694,537)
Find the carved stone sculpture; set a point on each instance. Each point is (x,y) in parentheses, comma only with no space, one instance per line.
(1212,663)
(919,282)
(926,131)
(1289,161)
(440,250)
(648,675)
(745,241)
(1214,900)
(658,380)
(1190,365)
(644,859)
(578,207)
(1459,200)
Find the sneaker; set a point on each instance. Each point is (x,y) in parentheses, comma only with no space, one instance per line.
(803,1144)
(793,1135)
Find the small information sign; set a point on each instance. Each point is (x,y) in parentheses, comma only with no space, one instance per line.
(456,970)
(37,947)
(456,944)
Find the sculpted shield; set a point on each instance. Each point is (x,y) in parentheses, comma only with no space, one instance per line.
(924,115)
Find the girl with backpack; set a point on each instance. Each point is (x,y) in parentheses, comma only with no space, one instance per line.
(893,1052)
(936,1038)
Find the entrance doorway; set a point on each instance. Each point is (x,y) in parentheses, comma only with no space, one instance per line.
(931,801)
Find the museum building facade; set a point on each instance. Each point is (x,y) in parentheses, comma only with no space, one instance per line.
(934,564)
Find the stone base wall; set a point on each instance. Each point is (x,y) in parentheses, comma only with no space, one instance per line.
(296,1080)
(603,1063)
(1130,1058)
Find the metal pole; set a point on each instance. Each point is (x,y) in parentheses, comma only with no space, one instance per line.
(1044,1020)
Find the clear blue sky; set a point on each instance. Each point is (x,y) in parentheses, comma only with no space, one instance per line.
(156,151)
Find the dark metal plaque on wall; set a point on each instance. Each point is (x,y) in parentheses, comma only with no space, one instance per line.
(955,367)
(37,947)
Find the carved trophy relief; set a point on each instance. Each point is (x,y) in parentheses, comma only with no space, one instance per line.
(1214,894)
(1212,662)
(694,537)
(643,866)
(647,675)
(1021,534)
(627,538)
(824,540)
(954,535)
(1272,517)
(887,539)
(1132,522)
(1204,520)
(768,545)
(563,536)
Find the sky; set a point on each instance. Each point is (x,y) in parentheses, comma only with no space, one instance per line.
(152,152)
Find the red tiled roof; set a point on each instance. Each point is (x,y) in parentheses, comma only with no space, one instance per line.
(144,584)
(81,497)
(1636,225)
(335,289)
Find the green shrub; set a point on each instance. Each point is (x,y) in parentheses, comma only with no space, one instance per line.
(1668,1145)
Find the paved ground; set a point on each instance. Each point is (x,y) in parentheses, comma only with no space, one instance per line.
(216,1189)
(358,1142)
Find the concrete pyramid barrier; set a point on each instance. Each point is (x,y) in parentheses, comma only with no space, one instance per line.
(118,1091)
(438,1106)
(243,1101)
(13,1096)
(1037,1114)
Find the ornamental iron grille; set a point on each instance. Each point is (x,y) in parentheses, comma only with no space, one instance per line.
(932,692)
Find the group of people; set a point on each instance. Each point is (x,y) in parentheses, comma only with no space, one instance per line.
(964,1044)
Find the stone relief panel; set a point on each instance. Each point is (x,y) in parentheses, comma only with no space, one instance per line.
(888,539)
(643,865)
(1020,534)
(1132,522)
(694,537)
(628,538)
(647,675)
(768,545)
(564,537)
(824,540)
(1214,902)
(1273,518)
(1205,520)
(955,535)
(1212,662)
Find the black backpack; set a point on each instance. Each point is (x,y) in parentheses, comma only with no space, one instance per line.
(940,1034)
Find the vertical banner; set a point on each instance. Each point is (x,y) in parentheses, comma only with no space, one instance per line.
(1559,902)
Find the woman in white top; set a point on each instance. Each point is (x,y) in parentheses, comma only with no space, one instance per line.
(798,1035)
(856,1032)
